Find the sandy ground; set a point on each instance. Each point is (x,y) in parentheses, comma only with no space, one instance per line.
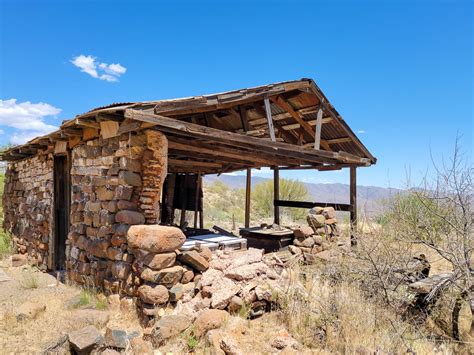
(62,313)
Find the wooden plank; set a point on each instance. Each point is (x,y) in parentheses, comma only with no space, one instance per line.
(317,135)
(285,105)
(193,163)
(60,147)
(304,204)
(86,123)
(248,187)
(293,126)
(268,112)
(353,204)
(109,129)
(233,139)
(339,140)
(289,137)
(89,133)
(244,119)
(74,141)
(276,194)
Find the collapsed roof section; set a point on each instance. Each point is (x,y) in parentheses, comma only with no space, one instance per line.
(290,124)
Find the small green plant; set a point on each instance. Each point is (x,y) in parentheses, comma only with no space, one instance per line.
(5,244)
(192,342)
(101,303)
(30,280)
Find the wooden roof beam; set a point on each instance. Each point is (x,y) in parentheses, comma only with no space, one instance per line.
(174,126)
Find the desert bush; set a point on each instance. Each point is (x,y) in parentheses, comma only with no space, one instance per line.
(30,279)
(262,199)
(436,217)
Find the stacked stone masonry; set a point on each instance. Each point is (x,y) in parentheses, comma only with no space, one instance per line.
(28,205)
(109,195)
(314,238)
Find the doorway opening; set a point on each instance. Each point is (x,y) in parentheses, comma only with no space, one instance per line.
(61,209)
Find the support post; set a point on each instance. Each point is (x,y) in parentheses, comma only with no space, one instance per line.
(197,199)
(317,134)
(268,111)
(276,194)
(247,198)
(353,203)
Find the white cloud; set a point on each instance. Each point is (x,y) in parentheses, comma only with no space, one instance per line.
(361,131)
(28,119)
(103,71)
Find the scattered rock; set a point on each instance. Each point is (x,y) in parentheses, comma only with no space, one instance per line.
(155,238)
(153,294)
(29,310)
(209,319)
(116,338)
(19,260)
(246,272)
(229,346)
(140,346)
(303,232)
(205,252)
(222,292)
(58,347)
(294,250)
(235,304)
(283,340)
(86,339)
(194,259)
(91,316)
(169,326)
(176,293)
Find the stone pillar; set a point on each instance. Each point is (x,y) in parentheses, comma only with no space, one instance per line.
(155,167)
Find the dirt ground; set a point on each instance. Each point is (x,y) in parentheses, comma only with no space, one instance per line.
(67,309)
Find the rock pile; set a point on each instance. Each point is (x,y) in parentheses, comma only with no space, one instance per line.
(313,238)
(235,281)
(89,340)
(162,273)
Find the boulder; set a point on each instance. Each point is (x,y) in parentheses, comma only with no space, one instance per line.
(169,326)
(116,338)
(29,310)
(153,294)
(19,260)
(222,291)
(176,293)
(210,276)
(229,346)
(329,212)
(194,259)
(159,261)
(303,232)
(209,319)
(155,238)
(315,221)
(91,316)
(306,243)
(235,304)
(167,277)
(246,272)
(129,217)
(205,252)
(84,340)
(294,250)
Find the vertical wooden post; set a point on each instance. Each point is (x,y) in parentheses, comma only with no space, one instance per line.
(184,200)
(353,202)
(268,111)
(247,198)
(276,194)
(196,202)
(201,218)
(317,134)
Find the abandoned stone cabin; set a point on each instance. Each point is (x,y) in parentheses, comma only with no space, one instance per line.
(70,196)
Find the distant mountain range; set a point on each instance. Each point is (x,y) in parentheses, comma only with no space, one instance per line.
(369,198)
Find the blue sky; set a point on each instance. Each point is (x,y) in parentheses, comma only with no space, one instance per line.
(399,72)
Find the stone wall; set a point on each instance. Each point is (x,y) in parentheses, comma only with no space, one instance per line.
(116,183)
(28,206)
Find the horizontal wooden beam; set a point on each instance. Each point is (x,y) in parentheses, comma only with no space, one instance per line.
(171,125)
(339,140)
(193,163)
(303,204)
